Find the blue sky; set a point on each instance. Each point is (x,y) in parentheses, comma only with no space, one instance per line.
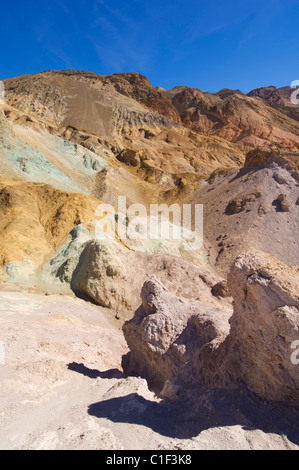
(209,45)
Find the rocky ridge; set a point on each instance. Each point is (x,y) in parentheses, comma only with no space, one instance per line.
(209,334)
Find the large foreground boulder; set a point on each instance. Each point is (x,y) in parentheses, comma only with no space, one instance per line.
(185,347)
(169,331)
(265,326)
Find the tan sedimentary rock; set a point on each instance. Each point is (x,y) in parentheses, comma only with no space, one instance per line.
(185,348)
(168,332)
(264,326)
(113,275)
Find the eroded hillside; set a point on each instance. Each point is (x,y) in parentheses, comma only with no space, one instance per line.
(209,327)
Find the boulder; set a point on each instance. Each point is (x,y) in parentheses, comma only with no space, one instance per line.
(168,332)
(113,276)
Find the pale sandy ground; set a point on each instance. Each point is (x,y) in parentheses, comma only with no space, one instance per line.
(62,387)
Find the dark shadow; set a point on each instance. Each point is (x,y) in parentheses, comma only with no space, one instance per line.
(134,409)
(94,373)
(216,408)
(242,172)
(83,296)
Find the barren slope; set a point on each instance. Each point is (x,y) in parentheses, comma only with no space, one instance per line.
(72,142)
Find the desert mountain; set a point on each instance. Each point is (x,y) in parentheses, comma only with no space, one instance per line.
(105,136)
(274,95)
(204,334)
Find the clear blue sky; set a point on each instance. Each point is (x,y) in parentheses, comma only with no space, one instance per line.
(210,44)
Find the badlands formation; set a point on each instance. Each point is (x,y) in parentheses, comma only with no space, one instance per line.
(111,342)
